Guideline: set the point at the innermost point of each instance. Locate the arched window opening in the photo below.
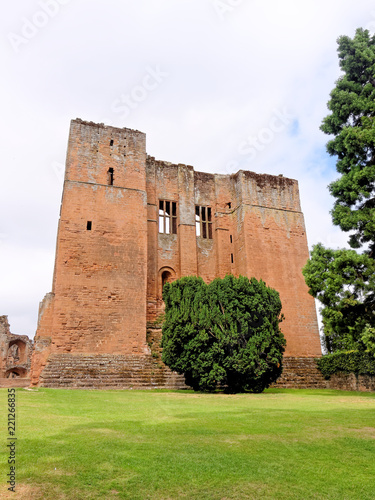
(16, 373)
(16, 352)
(166, 275)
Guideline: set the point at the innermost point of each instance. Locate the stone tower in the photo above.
(129, 223)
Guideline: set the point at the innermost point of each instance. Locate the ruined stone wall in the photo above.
(351, 382)
(303, 373)
(15, 353)
(43, 338)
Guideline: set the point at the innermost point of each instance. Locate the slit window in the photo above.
(167, 217)
(89, 225)
(110, 174)
(231, 257)
(111, 143)
(203, 222)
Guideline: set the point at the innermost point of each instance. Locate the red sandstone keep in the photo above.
(129, 223)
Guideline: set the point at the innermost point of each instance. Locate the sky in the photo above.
(222, 85)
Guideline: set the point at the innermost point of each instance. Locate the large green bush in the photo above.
(225, 334)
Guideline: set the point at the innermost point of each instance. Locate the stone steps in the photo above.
(300, 373)
(108, 371)
(145, 372)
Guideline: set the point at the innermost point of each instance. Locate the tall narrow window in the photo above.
(167, 217)
(89, 225)
(203, 222)
(110, 176)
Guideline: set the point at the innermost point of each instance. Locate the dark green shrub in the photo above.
(225, 334)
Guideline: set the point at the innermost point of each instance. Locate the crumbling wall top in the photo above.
(102, 125)
(4, 325)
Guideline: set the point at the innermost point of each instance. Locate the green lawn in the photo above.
(282, 444)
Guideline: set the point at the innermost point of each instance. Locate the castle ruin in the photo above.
(128, 224)
(15, 356)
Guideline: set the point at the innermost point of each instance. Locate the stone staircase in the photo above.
(104, 371)
(91, 371)
(300, 373)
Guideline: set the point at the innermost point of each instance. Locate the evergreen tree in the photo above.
(352, 123)
(225, 334)
(342, 279)
(344, 282)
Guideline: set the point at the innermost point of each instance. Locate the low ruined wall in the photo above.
(15, 354)
(351, 382)
(303, 373)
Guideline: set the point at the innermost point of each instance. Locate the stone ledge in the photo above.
(14, 382)
(351, 382)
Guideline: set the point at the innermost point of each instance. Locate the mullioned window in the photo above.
(203, 222)
(167, 217)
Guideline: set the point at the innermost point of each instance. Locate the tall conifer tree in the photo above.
(352, 123)
(343, 280)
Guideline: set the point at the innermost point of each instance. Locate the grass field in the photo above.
(282, 444)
